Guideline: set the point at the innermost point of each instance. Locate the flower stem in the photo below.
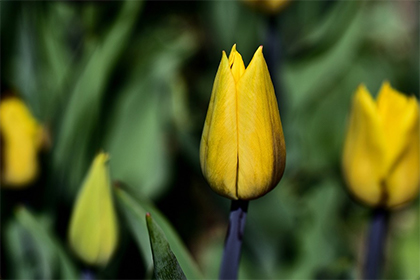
(87, 274)
(376, 244)
(233, 242)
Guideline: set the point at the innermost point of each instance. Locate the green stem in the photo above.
(233, 242)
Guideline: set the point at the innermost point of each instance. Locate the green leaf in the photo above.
(137, 122)
(166, 264)
(82, 114)
(25, 259)
(339, 57)
(135, 208)
(35, 252)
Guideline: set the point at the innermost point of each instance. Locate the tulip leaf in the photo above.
(134, 208)
(23, 253)
(166, 264)
(83, 109)
(35, 252)
(136, 131)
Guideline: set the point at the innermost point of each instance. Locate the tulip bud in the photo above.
(381, 161)
(93, 226)
(22, 138)
(242, 151)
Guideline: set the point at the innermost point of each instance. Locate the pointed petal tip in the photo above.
(102, 156)
(259, 50)
(385, 87)
(386, 83)
(258, 53)
(387, 92)
(361, 87)
(363, 98)
(361, 91)
(232, 53)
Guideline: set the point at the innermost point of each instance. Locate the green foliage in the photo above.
(35, 251)
(82, 112)
(135, 209)
(166, 265)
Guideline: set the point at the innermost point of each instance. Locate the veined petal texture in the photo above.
(242, 148)
(261, 144)
(218, 148)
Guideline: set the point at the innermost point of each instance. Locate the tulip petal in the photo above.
(400, 115)
(236, 64)
(364, 156)
(93, 226)
(396, 119)
(261, 147)
(218, 147)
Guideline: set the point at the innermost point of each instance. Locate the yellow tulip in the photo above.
(381, 160)
(268, 6)
(242, 150)
(93, 229)
(22, 138)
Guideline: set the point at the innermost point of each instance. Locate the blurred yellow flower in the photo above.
(242, 151)
(381, 160)
(268, 6)
(93, 231)
(22, 139)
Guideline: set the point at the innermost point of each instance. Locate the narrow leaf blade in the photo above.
(166, 264)
(135, 208)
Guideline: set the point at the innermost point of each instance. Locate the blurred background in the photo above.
(134, 79)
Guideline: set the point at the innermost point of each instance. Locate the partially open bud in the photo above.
(381, 160)
(242, 151)
(93, 231)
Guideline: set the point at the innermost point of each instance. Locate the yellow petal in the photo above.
(364, 150)
(242, 148)
(93, 226)
(20, 134)
(261, 151)
(236, 64)
(402, 133)
(218, 147)
(395, 119)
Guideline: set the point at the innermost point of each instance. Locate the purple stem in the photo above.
(233, 242)
(376, 244)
